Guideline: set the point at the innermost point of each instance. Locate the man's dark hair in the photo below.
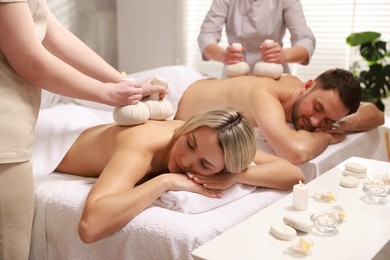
(345, 83)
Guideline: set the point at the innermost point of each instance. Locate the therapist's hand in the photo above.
(121, 94)
(271, 52)
(149, 88)
(233, 55)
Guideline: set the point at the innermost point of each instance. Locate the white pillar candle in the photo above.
(300, 196)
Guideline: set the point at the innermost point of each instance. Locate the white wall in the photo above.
(145, 34)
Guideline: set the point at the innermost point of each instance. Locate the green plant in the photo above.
(375, 82)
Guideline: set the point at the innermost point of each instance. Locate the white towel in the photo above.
(56, 130)
(192, 203)
(66, 191)
(59, 202)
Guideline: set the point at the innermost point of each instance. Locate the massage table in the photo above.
(161, 231)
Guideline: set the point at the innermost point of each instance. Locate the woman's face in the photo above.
(198, 152)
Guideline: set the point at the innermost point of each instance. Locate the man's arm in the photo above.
(296, 146)
(367, 117)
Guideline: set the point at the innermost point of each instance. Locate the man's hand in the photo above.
(341, 126)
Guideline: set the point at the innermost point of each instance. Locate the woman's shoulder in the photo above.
(148, 131)
(163, 124)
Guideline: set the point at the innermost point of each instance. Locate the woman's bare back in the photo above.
(94, 148)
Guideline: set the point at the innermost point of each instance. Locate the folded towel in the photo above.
(192, 203)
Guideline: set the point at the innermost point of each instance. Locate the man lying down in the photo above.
(323, 111)
(135, 166)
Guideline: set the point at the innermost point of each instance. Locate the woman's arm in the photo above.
(116, 198)
(37, 65)
(70, 49)
(270, 171)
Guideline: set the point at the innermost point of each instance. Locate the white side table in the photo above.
(364, 232)
(384, 131)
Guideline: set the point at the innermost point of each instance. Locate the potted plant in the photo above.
(374, 76)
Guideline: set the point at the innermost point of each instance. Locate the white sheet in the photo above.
(365, 144)
(156, 233)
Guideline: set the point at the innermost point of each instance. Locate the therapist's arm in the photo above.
(70, 49)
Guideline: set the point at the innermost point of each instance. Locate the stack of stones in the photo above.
(352, 173)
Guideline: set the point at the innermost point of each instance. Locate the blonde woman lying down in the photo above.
(137, 164)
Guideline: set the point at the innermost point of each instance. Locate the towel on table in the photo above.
(56, 130)
(192, 203)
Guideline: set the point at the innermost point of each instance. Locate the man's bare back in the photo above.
(242, 93)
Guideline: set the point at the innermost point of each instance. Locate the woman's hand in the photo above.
(221, 181)
(182, 182)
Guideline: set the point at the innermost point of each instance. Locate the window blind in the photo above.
(64, 11)
(331, 22)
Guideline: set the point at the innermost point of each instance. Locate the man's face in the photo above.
(318, 110)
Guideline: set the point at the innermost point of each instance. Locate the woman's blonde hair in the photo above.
(235, 133)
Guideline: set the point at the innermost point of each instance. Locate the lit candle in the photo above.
(300, 196)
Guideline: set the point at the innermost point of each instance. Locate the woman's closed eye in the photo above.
(204, 165)
(191, 143)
